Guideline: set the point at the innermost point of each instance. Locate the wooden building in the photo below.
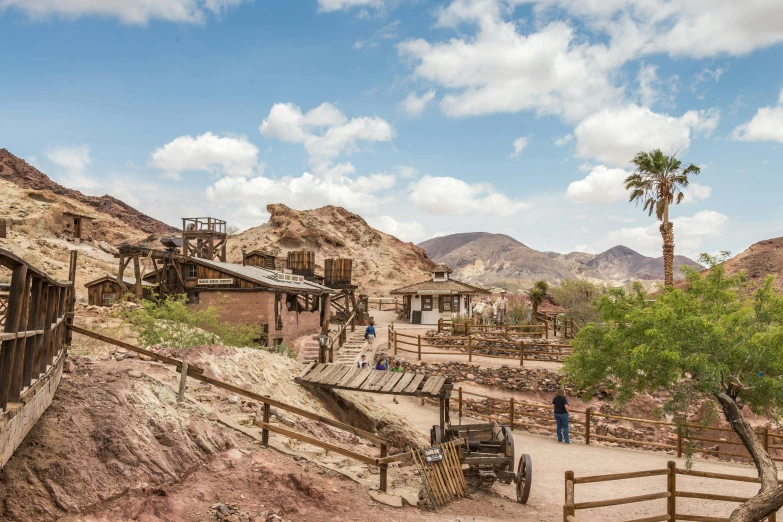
(263, 259)
(76, 227)
(440, 297)
(105, 290)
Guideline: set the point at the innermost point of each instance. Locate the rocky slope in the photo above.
(760, 260)
(500, 260)
(381, 262)
(21, 173)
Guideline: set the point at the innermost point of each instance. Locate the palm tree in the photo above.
(537, 295)
(658, 182)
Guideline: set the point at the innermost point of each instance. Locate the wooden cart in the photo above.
(487, 455)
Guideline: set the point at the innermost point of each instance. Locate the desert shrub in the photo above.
(579, 298)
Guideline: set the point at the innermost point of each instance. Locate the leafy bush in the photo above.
(578, 297)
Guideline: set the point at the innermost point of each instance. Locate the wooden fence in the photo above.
(526, 330)
(558, 325)
(478, 346)
(195, 372)
(391, 303)
(688, 438)
(671, 494)
(34, 333)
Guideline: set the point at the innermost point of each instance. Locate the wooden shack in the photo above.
(105, 290)
(77, 227)
(262, 259)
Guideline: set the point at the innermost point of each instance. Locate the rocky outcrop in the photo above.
(381, 262)
(18, 171)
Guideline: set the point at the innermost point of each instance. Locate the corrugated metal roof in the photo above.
(126, 279)
(264, 276)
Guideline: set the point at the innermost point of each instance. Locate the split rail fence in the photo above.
(392, 304)
(477, 346)
(672, 492)
(504, 330)
(690, 438)
(558, 325)
(195, 372)
(33, 338)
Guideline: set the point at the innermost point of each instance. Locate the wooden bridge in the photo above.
(35, 313)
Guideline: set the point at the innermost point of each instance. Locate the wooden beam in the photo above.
(315, 442)
(13, 318)
(137, 275)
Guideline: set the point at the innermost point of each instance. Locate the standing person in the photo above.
(501, 306)
(369, 333)
(397, 368)
(561, 416)
(363, 362)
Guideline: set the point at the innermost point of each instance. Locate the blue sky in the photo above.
(426, 117)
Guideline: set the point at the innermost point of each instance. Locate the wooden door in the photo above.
(77, 228)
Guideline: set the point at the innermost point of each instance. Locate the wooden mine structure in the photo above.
(204, 237)
(302, 263)
(339, 274)
(260, 258)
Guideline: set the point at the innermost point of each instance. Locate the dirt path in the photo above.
(551, 460)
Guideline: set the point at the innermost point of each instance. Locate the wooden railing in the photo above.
(515, 412)
(558, 325)
(394, 302)
(195, 372)
(34, 333)
(527, 330)
(477, 346)
(339, 337)
(571, 506)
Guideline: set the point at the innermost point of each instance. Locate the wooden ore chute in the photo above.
(301, 263)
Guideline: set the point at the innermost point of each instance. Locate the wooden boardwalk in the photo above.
(352, 378)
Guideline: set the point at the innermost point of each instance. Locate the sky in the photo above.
(425, 117)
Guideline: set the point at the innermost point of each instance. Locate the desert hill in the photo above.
(21, 173)
(498, 259)
(760, 260)
(381, 262)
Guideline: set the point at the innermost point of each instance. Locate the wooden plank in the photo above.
(432, 382)
(334, 379)
(13, 319)
(437, 386)
(377, 383)
(414, 385)
(327, 374)
(315, 376)
(320, 367)
(349, 377)
(360, 378)
(391, 383)
(404, 382)
(307, 369)
(315, 442)
(375, 376)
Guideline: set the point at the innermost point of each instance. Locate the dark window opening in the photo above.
(193, 298)
(440, 275)
(426, 303)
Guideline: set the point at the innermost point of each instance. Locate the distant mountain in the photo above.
(498, 259)
(760, 260)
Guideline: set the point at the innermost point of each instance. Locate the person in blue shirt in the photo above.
(369, 333)
(381, 365)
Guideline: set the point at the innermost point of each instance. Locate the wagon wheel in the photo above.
(508, 451)
(524, 478)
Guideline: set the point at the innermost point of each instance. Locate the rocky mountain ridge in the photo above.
(500, 260)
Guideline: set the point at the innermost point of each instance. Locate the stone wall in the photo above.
(14, 430)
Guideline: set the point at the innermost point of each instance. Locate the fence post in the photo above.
(384, 468)
(511, 412)
(265, 431)
(182, 381)
(506, 329)
(460, 402)
(440, 325)
(418, 342)
(546, 329)
(395, 341)
(671, 504)
(679, 441)
(521, 353)
(568, 507)
(588, 412)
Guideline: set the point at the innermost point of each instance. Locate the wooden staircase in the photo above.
(309, 352)
(352, 349)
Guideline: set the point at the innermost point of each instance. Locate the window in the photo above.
(426, 303)
(109, 298)
(192, 271)
(440, 275)
(445, 304)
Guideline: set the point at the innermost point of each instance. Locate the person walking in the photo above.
(369, 333)
(561, 416)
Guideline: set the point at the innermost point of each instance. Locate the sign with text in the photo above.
(228, 281)
(432, 454)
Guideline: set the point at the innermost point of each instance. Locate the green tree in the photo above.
(658, 182)
(537, 295)
(714, 339)
(578, 296)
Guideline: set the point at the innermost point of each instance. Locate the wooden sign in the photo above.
(228, 281)
(432, 454)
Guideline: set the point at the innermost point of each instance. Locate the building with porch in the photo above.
(440, 297)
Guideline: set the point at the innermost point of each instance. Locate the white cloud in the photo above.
(564, 140)
(324, 131)
(653, 89)
(447, 195)
(690, 232)
(520, 144)
(135, 12)
(72, 162)
(602, 186)
(406, 171)
(614, 136)
(411, 231)
(231, 156)
(415, 105)
(766, 125)
(780, 97)
(499, 69)
(696, 192)
(337, 5)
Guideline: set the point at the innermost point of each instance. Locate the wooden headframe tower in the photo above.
(205, 238)
(338, 273)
